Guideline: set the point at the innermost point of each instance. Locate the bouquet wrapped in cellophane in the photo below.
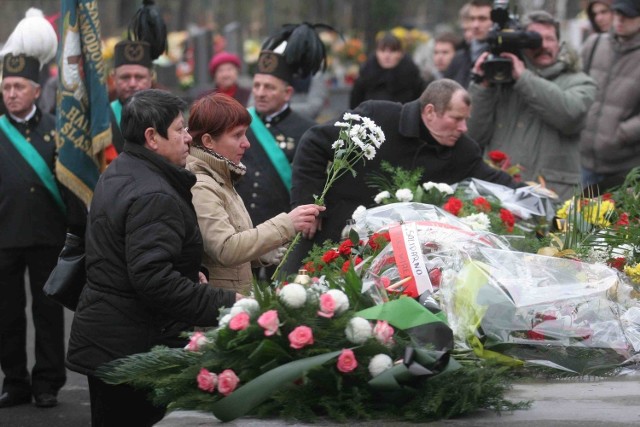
(506, 305)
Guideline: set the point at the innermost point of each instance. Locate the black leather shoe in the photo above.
(7, 399)
(46, 400)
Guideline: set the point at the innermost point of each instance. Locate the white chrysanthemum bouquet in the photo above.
(358, 140)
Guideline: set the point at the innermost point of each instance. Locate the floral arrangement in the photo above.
(358, 140)
(411, 38)
(323, 350)
(398, 185)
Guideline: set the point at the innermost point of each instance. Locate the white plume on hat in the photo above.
(33, 36)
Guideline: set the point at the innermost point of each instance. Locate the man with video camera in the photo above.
(536, 113)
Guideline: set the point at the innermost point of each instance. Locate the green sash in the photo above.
(271, 147)
(116, 107)
(35, 160)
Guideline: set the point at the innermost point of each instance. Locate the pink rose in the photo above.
(197, 340)
(207, 380)
(327, 306)
(383, 332)
(300, 337)
(270, 322)
(347, 361)
(239, 322)
(227, 381)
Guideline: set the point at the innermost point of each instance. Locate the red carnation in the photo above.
(377, 240)
(507, 219)
(330, 256)
(482, 204)
(497, 156)
(310, 267)
(345, 247)
(617, 263)
(453, 205)
(623, 221)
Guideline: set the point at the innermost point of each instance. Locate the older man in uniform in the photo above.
(32, 221)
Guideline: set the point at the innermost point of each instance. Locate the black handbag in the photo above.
(69, 276)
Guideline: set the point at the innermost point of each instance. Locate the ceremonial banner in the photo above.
(82, 114)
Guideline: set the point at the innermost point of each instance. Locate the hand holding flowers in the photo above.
(358, 140)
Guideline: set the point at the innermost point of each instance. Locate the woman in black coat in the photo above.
(388, 75)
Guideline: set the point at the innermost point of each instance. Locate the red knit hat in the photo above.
(222, 58)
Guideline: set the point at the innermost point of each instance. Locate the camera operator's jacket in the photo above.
(610, 142)
(537, 121)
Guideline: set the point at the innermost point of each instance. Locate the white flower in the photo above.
(224, 321)
(360, 211)
(249, 305)
(380, 197)
(340, 299)
(337, 144)
(428, 185)
(293, 295)
(478, 221)
(351, 116)
(358, 330)
(404, 195)
(358, 142)
(341, 124)
(444, 188)
(369, 152)
(379, 363)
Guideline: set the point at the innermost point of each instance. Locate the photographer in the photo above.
(537, 118)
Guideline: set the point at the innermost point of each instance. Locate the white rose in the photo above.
(358, 330)
(293, 295)
(404, 195)
(340, 299)
(478, 221)
(379, 363)
(380, 197)
(428, 185)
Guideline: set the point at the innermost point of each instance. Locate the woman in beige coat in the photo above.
(218, 124)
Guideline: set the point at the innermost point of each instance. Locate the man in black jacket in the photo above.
(32, 221)
(427, 133)
(143, 253)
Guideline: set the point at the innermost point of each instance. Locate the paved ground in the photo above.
(611, 403)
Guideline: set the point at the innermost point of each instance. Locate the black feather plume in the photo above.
(305, 52)
(147, 25)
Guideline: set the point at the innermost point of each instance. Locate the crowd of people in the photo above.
(198, 202)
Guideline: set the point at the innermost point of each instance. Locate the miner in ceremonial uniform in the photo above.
(133, 65)
(32, 220)
(295, 52)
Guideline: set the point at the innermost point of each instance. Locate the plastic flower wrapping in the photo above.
(511, 306)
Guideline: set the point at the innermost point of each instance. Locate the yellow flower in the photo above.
(564, 210)
(598, 212)
(633, 273)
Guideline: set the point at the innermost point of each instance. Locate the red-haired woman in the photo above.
(218, 124)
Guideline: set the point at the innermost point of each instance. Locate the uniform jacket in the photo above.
(29, 216)
(230, 240)
(610, 141)
(143, 253)
(408, 145)
(402, 83)
(261, 188)
(537, 122)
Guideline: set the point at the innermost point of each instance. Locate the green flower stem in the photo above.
(286, 255)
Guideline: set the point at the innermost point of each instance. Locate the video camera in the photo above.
(506, 36)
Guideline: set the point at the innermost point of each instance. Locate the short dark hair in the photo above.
(449, 37)
(153, 108)
(481, 3)
(439, 94)
(541, 17)
(216, 114)
(388, 40)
